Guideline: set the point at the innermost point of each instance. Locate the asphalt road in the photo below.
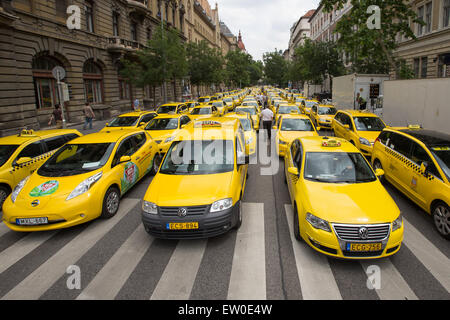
(117, 259)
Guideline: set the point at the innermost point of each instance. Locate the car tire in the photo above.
(111, 203)
(441, 219)
(238, 216)
(4, 193)
(297, 235)
(377, 165)
(155, 164)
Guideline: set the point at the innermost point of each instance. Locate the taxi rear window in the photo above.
(296, 125)
(123, 122)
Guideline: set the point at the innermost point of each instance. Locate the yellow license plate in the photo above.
(182, 226)
(363, 247)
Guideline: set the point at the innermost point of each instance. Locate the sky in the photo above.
(264, 24)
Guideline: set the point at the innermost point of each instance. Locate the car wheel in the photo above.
(110, 203)
(297, 235)
(156, 163)
(4, 193)
(441, 219)
(239, 216)
(377, 165)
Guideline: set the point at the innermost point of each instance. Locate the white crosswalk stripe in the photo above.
(21, 248)
(314, 272)
(430, 256)
(248, 273)
(108, 282)
(176, 285)
(33, 286)
(393, 286)
(3, 229)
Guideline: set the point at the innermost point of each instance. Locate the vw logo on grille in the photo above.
(35, 203)
(363, 233)
(182, 212)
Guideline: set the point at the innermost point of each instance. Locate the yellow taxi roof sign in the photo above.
(27, 133)
(331, 143)
(207, 124)
(414, 126)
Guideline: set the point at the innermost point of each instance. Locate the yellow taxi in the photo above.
(204, 99)
(172, 108)
(285, 108)
(253, 112)
(306, 105)
(191, 105)
(221, 106)
(341, 209)
(164, 128)
(130, 120)
(231, 103)
(81, 181)
(252, 103)
(204, 111)
(22, 154)
(249, 131)
(290, 127)
(322, 115)
(360, 128)
(417, 162)
(198, 189)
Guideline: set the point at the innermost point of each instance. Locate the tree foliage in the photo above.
(275, 68)
(237, 68)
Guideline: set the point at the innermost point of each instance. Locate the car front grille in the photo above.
(376, 232)
(191, 211)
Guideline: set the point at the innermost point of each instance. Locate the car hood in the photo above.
(117, 128)
(358, 203)
(289, 136)
(162, 134)
(369, 135)
(326, 117)
(188, 190)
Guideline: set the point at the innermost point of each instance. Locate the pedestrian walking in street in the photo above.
(136, 105)
(267, 118)
(56, 117)
(88, 115)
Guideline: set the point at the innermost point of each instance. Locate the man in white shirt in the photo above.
(267, 118)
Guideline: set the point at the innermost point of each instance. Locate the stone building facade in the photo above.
(34, 38)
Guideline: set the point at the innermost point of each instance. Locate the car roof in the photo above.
(135, 113)
(213, 128)
(22, 137)
(294, 116)
(429, 137)
(358, 113)
(104, 136)
(239, 115)
(314, 144)
(169, 116)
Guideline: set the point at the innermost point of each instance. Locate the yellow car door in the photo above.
(144, 153)
(125, 165)
(28, 160)
(293, 160)
(399, 168)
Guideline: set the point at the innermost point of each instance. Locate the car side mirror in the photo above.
(107, 124)
(424, 168)
(379, 172)
(293, 170)
(23, 160)
(347, 126)
(143, 124)
(125, 159)
(274, 127)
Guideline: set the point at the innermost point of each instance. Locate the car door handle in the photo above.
(137, 158)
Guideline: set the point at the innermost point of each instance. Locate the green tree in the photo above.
(237, 68)
(368, 49)
(275, 68)
(256, 69)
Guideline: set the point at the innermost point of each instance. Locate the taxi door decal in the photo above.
(45, 189)
(130, 176)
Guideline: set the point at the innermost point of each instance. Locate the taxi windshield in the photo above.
(442, 155)
(337, 167)
(287, 109)
(163, 124)
(123, 122)
(199, 157)
(218, 104)
(252, 103)
(299, 99)
(203, 100)
(251, 111)
(309, 104)
(228, 100)
(167, 109)
(201, 111)
(73, 159)
(296, 125)
(246, 124)
(6, 150)
(369, 124)
(326, 111)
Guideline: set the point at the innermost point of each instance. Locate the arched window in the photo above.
(93, 82)
(45, 88)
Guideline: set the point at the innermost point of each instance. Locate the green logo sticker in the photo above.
(45, 189)
(130, 175)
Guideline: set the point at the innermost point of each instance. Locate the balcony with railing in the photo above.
(140, 6)
(118, 45)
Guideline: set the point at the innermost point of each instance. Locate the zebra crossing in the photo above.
(141, 267)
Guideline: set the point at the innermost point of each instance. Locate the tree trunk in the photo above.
(388, 56)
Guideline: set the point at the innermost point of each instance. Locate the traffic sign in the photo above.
(59, 73)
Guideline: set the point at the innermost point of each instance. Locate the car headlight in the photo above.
(317, 222)
(169, 140)
(364, 141)
(84, 186)
(221, 205)
(149, 207)
(397, 224)
(249, 140)
(18, 188)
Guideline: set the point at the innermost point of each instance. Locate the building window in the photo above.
(420, 16)
(181, 21)
(46, 90)
(124, 89)
(416, 67)
(428, 15)
(89, 16)
(93, 82)
(134, 31)
(149, 34)
(115, 22)
(424, 67)
(159, 9)
(444, 66)
(446, 13)
(61, 8)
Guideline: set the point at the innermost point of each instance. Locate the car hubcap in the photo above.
(442, 220)
(112, 202)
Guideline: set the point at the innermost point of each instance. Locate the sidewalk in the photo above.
(96, 126)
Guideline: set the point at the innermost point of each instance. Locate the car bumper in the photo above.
(328, 244)
(61, 214)
(210, 224)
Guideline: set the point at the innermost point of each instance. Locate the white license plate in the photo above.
(31, 221)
